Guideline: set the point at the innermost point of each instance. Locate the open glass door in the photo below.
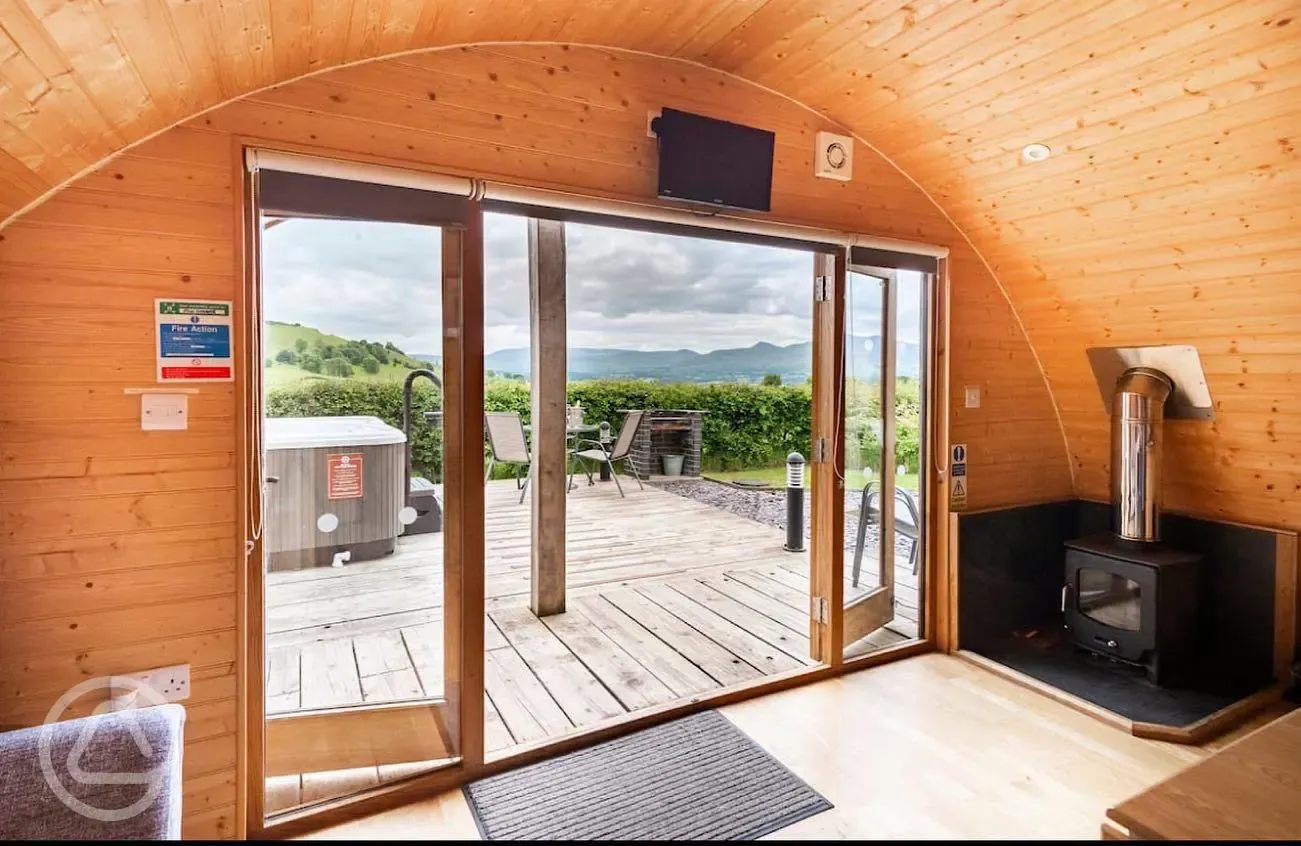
(885, 344)
(358, 624)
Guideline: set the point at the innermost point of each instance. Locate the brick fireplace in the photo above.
(674, 431)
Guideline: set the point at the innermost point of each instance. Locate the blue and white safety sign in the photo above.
(194, 339)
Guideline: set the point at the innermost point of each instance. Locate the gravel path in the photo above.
(769, 507)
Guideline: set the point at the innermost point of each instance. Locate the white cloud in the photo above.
(634, 290)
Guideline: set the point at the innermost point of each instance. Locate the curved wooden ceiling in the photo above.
(1166, 213)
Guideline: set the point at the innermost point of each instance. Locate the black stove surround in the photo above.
(1010, 572)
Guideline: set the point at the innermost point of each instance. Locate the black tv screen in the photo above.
(703, 160)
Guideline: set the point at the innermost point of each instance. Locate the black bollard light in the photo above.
(794, 502)
(605, 443)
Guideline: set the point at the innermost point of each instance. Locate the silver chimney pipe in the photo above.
(1137, 414)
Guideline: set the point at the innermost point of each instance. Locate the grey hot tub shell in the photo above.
(312, 479)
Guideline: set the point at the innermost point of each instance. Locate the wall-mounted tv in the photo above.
(704, 160)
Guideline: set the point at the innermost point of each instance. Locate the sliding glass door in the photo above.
(359, 294)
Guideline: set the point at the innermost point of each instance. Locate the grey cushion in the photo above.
(106, 746)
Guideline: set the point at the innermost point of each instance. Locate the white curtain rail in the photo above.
(476, 189)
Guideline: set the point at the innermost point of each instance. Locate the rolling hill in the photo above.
(746, 364)
(280, 337)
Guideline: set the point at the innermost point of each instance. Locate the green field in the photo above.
(285, 336)
(776, 477)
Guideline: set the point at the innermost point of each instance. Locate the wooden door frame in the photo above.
(873, 610)
(456, 719)
(829, 634)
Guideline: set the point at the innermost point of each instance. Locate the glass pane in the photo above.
(353, 537)
(687, 366)
(864, 297)
(1110, 599)
(909, 333)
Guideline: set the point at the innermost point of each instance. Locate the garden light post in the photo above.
(794, 502)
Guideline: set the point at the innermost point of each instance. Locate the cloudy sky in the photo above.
(630, 290)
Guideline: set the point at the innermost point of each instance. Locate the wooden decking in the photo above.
(668, 597)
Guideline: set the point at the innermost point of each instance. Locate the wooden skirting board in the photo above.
(1193, 734)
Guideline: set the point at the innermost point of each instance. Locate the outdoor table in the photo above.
(580, 429)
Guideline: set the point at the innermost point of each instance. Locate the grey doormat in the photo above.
(697, 778)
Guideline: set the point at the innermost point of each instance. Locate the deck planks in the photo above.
(667, 598)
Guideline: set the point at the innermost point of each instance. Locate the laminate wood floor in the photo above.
(927, 747)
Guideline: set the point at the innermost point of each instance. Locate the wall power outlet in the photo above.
(172, 684)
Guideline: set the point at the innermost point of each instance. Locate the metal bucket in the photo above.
(673, 465)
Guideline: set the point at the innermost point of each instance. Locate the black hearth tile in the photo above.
(1119, 688)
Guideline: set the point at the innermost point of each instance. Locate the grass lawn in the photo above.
(776, 477)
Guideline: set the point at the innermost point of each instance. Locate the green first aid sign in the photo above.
(206, 308)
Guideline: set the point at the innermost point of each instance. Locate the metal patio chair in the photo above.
(586, 449)
(869, 511)
(509, 446)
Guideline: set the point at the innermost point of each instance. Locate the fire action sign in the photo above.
(194, 340)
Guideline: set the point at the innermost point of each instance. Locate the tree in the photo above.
(772, 380)
(301, 345)
(310, 362)
(337, 367)
(370, 364)
(270, 362)
(354, 353)
(287, 357)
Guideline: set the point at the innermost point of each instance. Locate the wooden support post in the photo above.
(827, 546)
(463, 570)
(550, 442)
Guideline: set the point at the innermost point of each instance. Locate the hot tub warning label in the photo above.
(194, 340)
(343, 476)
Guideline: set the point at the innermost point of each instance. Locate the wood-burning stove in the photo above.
(1133, 602)
(1125, 595)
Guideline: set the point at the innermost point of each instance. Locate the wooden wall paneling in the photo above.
(1286, 606)
(86, 496)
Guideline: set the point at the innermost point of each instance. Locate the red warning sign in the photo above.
(343, 476)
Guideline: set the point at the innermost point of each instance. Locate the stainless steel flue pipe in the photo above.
(1137, 415)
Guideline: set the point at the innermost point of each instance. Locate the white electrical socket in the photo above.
(973, 396)
(172, 684)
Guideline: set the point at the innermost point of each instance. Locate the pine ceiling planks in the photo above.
(1174, 131)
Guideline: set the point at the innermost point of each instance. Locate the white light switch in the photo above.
(163, 411)
(973, 396)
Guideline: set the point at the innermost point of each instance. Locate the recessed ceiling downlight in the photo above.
(1035, 152)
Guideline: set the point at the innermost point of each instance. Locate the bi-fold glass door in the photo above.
(875, 323)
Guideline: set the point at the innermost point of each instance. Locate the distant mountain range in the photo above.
(747, 364)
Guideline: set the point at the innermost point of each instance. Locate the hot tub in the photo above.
(334, 490)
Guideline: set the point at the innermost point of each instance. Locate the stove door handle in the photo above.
(1066, 592)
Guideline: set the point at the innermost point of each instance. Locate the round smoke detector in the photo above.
(1035, 152)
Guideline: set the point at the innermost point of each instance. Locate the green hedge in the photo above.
(747, 426)
(344, 397)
